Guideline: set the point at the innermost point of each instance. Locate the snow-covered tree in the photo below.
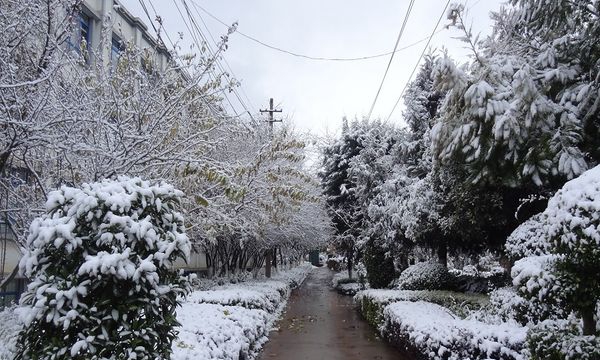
(101, 268)
(525, 111)
(562, 251)
(338, 188)
(422, 101)
(573, 225)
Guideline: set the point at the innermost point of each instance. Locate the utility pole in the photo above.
(271, 110)
(271, 255)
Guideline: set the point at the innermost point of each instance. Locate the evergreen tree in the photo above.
(339, 191)
(101, 264)
(525, 112)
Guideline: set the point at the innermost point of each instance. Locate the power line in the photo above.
(408, 11)
(197, 28)
(226, 64)
(156, 30)
(198, 44)
(304, 56)
(418, 61)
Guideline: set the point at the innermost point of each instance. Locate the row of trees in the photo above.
(68, 117)
(486, 143)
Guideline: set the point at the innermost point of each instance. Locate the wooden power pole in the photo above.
(271, 110)
(270, 256)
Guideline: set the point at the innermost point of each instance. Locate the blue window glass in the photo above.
(115, 51)
(84, 28)
(82, 33)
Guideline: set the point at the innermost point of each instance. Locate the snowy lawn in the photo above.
(228, 322)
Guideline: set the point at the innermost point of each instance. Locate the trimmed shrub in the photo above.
(460, 303)
(440, 335)
(472, 281)
(336, 263)
(380, 267)
(562, 340)
(101, 268)
(425, 276)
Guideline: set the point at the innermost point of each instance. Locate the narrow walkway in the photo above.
(320, 324)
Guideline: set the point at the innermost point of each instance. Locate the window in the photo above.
(116, 49)
(81, 38)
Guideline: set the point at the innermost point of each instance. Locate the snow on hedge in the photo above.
(210, 331)
(424, 276)
(10, 326)
(438, 333)
(373, 301)
(232, 321)
(265, 295)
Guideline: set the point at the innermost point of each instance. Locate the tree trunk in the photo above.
(589, 323)
(4, 160)
(274, 250)
(442, 253)
(350, 255)
(268, 264)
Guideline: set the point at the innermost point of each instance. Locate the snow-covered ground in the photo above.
(230, 321)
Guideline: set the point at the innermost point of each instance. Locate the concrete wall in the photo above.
(125, 27)
(13, 256)
(197, 262)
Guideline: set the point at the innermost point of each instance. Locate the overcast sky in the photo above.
(315, 95)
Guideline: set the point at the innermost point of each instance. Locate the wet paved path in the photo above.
(320, 324)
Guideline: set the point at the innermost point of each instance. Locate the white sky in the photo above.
(315, 95)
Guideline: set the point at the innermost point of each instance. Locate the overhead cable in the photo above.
(304, 56)
(419, 61)
(408, 11)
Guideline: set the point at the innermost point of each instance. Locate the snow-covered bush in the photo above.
(345, 285)
(336, 263)
(562, 339)
(425, 276)
(562, 247)
(264, 295)
(8, 332)
(536, 281)
(573, 226)
(101, 268)
(372, 302)
(470, 279)
(507, 304)
(212, 331)
(529, 239)
(437, 333)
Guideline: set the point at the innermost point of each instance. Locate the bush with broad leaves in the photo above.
(101, 268)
